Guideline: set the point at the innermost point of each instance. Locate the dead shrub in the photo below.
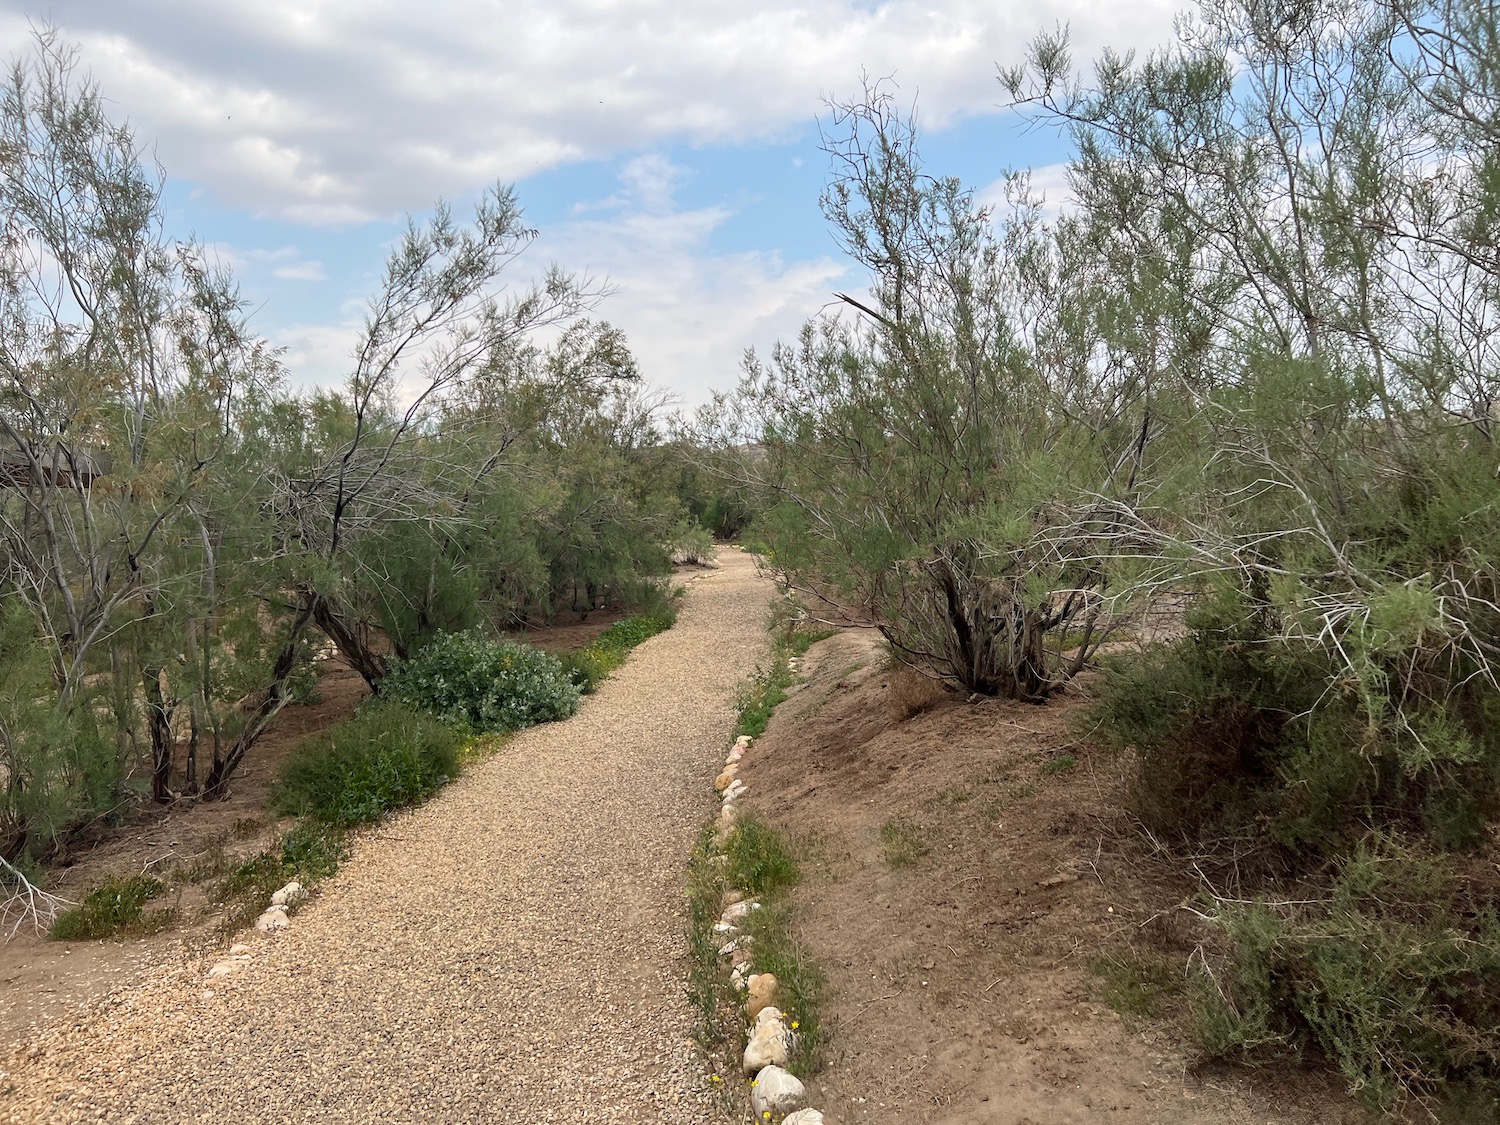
(909, 693)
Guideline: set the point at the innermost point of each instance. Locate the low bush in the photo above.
(386, 757)
(1250, 744)
(692, 545)
(488, 685)
(1395, 978)
(114, 907)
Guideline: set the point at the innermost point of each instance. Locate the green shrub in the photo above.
(488, 685)
(1246, 742)
(112, 908)
(386, 757)
(1395, 978)
(691, 545)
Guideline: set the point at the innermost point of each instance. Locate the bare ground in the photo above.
(966, 901)
(514, 947)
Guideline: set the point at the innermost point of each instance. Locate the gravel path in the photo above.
(513, 950)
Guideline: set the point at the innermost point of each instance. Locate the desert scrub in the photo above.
(1394, 977)
(112, 909)
(592, 663)
(387, 757)
(487, 685)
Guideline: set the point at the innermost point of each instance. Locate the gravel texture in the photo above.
(513, 950)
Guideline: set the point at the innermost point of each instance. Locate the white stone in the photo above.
(238, 950)
(771, 1041)
(223, 969)
(726, 928)
(273, 920)
(776, 1090)
(743, 742)
(289, 895)
(737, 910)
(740, 976)
(735, 757)
(804, 1117)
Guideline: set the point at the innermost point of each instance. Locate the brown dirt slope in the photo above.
(968, 902)
(512, 950)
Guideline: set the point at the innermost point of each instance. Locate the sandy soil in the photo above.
(512, 948)
(964, 975)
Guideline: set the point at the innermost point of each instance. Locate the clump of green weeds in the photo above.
(1138, 983)
(1063, 763)
(903, 841)
(113, 909)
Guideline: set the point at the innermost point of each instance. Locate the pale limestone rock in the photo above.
(737, 910)
(273, 920)
(804, 1117)
(289, 895)
(770, 1044)
(776, 1090)
(223, 969)
(238, 950)
(762, 989)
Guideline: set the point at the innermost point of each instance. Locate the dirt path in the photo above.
(511, 950)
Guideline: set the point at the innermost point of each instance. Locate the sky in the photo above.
(668, 146)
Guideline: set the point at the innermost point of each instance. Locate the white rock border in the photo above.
(774, 1091)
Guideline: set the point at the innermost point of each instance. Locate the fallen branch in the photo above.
(26, 902)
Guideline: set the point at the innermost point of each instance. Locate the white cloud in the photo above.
(688, 312)
(336, 111)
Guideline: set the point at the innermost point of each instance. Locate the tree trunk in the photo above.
(159, 721)
(353, 644)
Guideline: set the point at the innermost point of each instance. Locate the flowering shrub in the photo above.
(487, 684)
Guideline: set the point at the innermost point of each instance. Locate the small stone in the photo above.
(238, 950)
(776, 1090)
(731, 897)
(739, 975)
(726, 928)
(1058, 879)
(743, 742)
(737, 910)
(272, 920)
(735, 756)
(223, 969)
(804, 1117)
(289, 895)
(762, 987)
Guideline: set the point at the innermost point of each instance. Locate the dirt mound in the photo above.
(975, 896)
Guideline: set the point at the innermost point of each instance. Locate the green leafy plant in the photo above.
(386, 757)
(487, 685)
